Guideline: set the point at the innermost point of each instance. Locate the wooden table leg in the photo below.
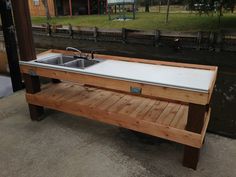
(194, 123)
(32, 85)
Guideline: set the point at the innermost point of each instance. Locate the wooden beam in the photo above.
(195, 123)
(27, 51)
(10, 44)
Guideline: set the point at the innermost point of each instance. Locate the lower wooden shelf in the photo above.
(163, 119)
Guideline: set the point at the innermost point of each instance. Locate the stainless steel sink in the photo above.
(59, 60)
(81, 63)
(69, 61)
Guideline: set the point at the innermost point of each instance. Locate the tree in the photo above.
(45, 3)
(229, 4)
(147, 3)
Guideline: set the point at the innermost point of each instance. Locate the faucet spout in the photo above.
(73, 49)
(77, 50)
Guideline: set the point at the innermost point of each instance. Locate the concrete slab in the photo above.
(67, 146)
(5, 86)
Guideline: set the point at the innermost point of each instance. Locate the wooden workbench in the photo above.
(176, 114)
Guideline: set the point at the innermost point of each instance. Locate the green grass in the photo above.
(149, 21)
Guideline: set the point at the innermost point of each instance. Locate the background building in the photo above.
(68, 7)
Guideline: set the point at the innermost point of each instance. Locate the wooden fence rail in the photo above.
(224, 40)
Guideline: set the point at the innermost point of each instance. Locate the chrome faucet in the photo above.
(77, 50)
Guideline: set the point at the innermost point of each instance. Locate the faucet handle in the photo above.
(95, 51)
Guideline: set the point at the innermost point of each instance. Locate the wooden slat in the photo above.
(91, 97)
(113, 99)
(168, 114)
(143, 108)
(111, 111)
(132, 105)
(120, 104)
(204, 129)
(100, 99)
(155, 111)
(180, 119)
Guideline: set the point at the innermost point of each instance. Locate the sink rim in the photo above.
(55, 61)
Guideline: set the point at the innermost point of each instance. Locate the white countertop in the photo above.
(178, 77)
(169, 76)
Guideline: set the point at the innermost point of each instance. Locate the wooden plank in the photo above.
(113, 99)
(120, 104)
(100, 99)
(155, 111)
(212, 86)
(121, 85)
(113, 117)
(204, 129)
(55, 91)
(83, 95)
(180, 119)
(90, 97)
(143, 108)
(95, 98)
(168, 114)
(132, 105)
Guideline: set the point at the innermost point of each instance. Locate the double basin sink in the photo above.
(69, 61)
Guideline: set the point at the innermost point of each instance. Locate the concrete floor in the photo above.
(5, 86)
(67, 146)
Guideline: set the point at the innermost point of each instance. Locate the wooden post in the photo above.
(27, 51)
(95, 34)
(124, 35)
(109, 12)
(167, 11)
(156, 38)
(123, 10)
(199, 40)
(88, 7)
(219, 40)
(133, 11)
(70, 6)
(10, 43)
(106, 6)
(159, 9)
(195, 123)
(98, 7)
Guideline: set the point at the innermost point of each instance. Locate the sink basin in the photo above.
(81, 63)
(59, 60)
(68, 61)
